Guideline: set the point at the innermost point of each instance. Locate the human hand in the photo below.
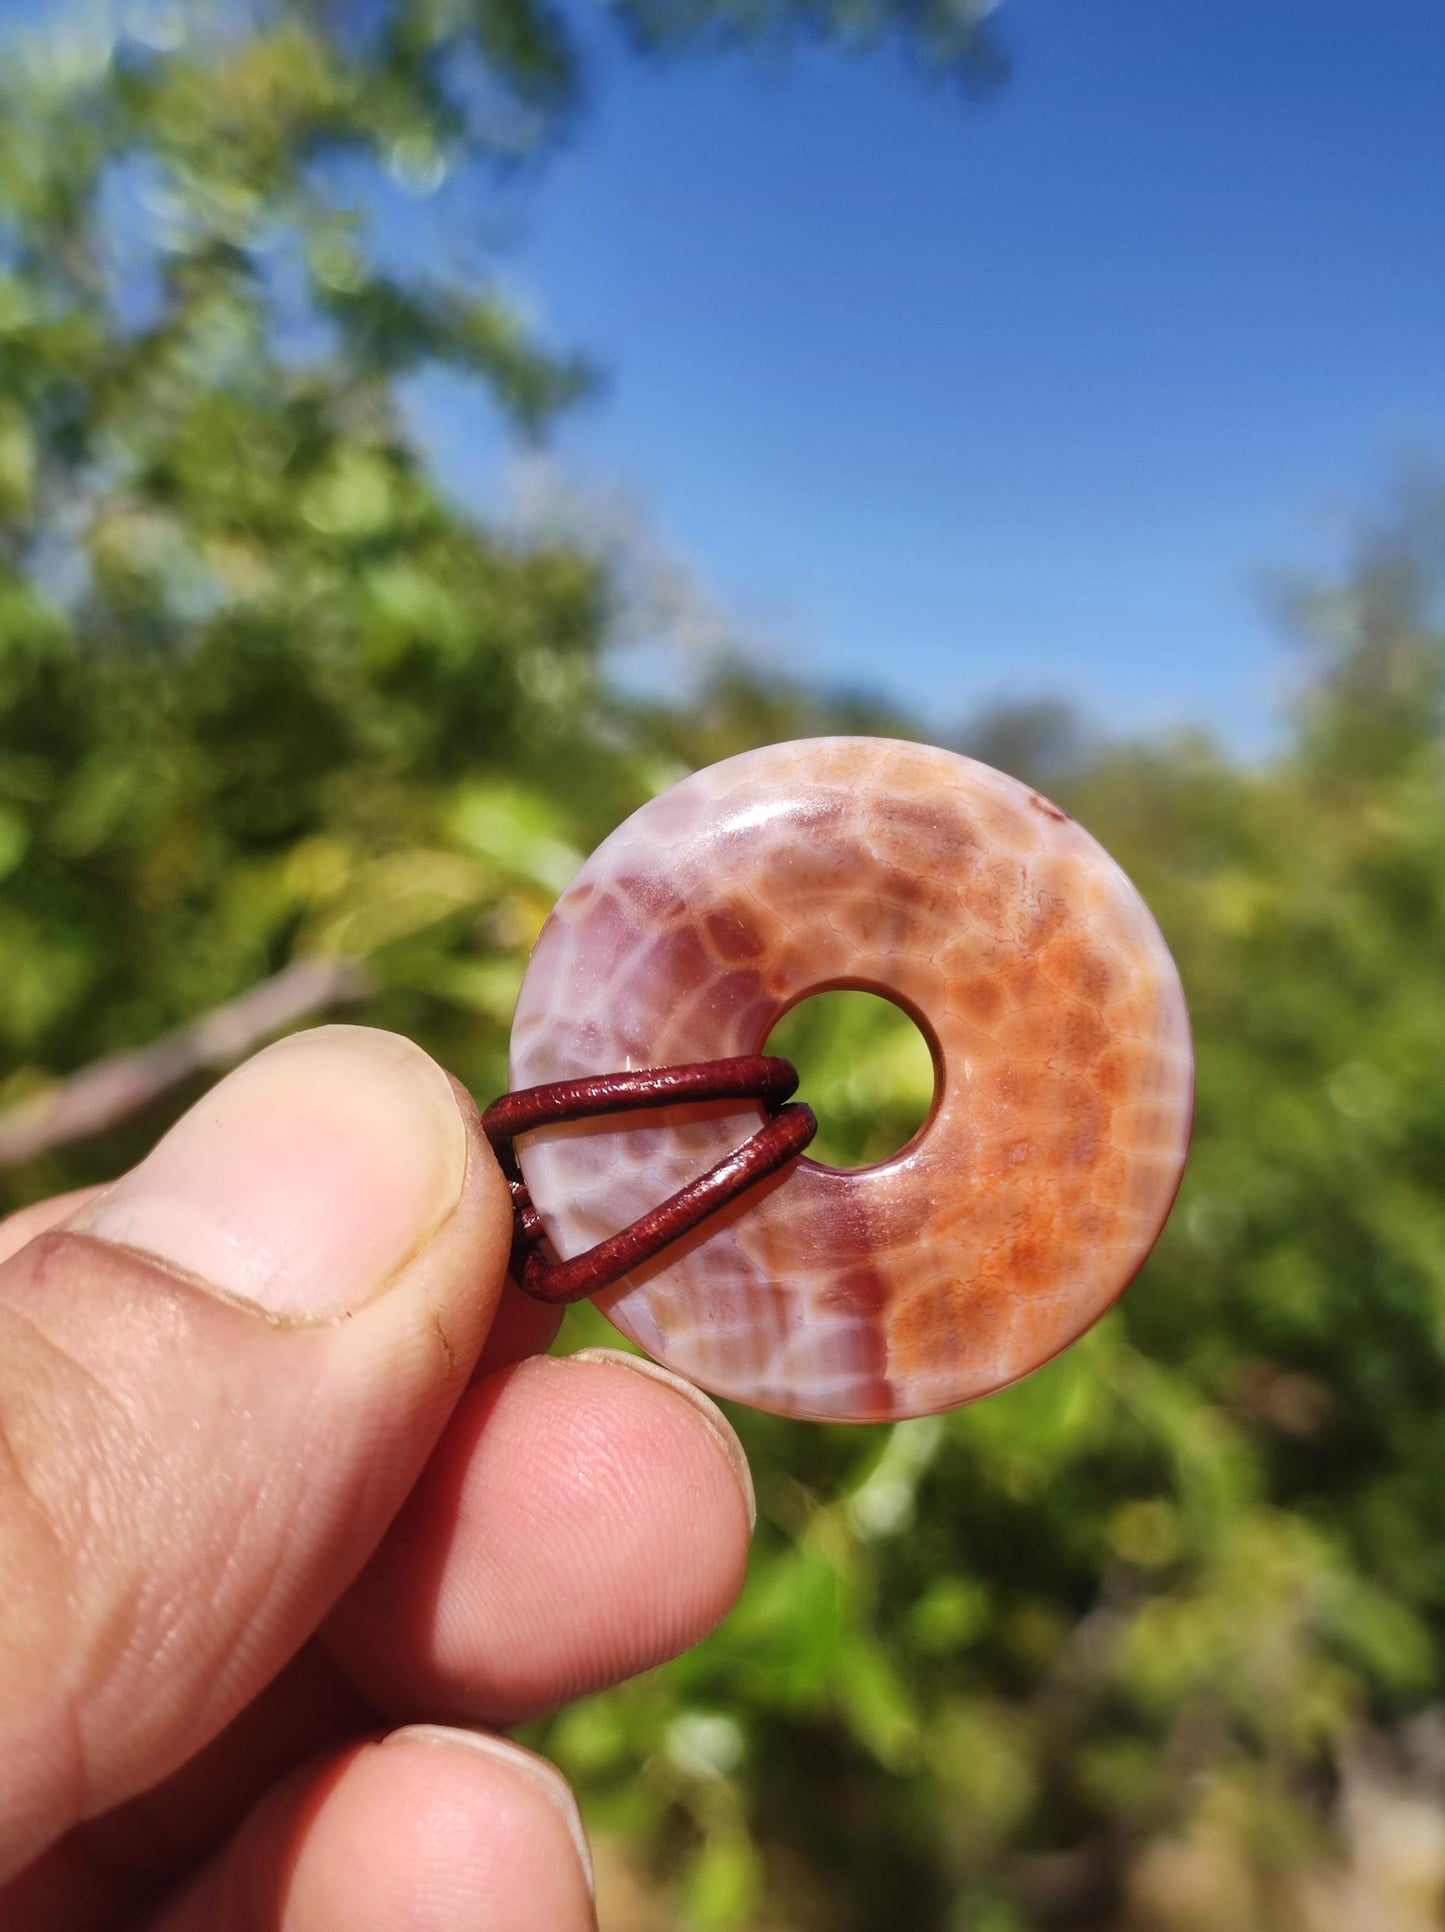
(273, 1483)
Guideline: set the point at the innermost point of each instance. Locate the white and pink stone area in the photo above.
(1065, 1075)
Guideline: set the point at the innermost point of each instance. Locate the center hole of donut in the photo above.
(865, 1070)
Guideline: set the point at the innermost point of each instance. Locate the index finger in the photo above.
(582, 1519)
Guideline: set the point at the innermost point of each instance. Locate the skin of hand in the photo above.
(294, 1518)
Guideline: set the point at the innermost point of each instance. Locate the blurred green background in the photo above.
(1155, 1641)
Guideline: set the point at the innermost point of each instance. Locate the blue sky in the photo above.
(964, 400)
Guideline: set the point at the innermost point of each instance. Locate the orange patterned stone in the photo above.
(1030, 1197)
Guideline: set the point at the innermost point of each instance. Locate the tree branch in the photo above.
(112, 1090)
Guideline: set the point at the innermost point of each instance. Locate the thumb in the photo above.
(218, 1382)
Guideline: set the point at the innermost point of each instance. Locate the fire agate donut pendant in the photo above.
(1032, 1194)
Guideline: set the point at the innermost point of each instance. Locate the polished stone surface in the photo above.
(1029, 1199)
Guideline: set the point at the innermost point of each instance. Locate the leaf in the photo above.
(725, 1884)
(517, 828)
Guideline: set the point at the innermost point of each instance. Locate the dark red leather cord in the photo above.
(753, 1076)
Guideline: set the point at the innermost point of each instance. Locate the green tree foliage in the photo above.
(1139, 1642)
(264, 690)
(1151, 1642)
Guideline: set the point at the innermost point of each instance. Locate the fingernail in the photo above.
(305, 1180)
(704, 1404)
(546, 1777)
